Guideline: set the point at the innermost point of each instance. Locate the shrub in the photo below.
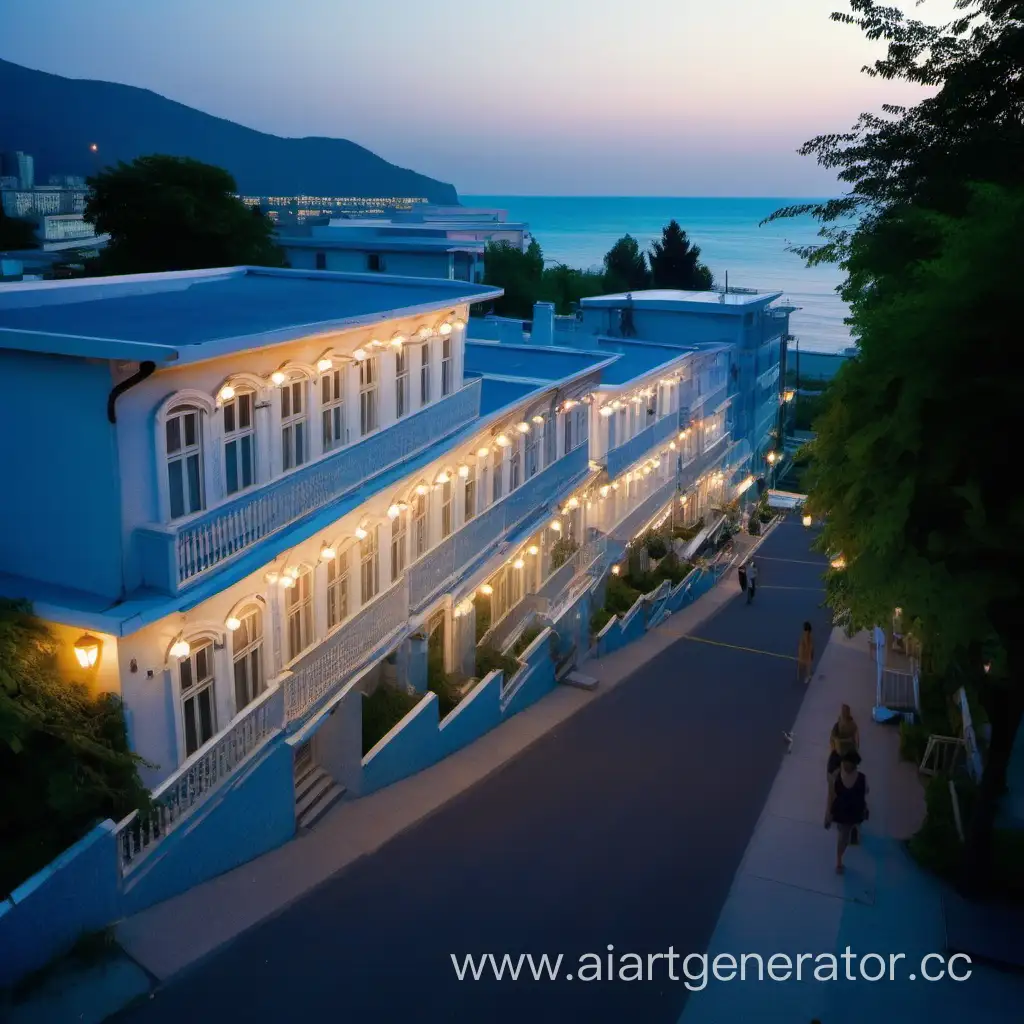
(442, 683)
(599, 620)
(673, 569)
(619, 596)
(382, 711)
(765, 513)
(562, 550)
(526, 638)
(913, 741)
(689, 532)
(489, 658)
(482, 603)
(656, 546)
(754, 525)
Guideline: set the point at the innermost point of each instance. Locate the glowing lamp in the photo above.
(327, 553)
(425, 332)
(523, 428)
(443, 477)
(464, 471)
(573, 503)
(287, 582)
(458, 322)
(445, 329)
(226, 393)
(397, 340)
(324, 365)
(232, 623)
(672, 445)
(394, 512)
(518, 564)
(839, 562)
(292, 572)
(556, 526)
(87, 650)
(532, 549)
(487, 590)
(278, 377)
(538, 419)
(359, 354)
(482, 453)
(604, 491)
(360, 533)
(807, 520)
(502, 441)
(422, 489)
(615, 570)
(606, 410)
(180, 649)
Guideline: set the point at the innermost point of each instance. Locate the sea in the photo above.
(579, 230)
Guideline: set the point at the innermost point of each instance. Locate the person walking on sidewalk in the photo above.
(805, 655)
(741, 575)
(847, 803)
(751, 580)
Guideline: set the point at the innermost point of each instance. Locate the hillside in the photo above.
(56, 119)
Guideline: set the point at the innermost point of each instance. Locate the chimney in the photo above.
(543, 332)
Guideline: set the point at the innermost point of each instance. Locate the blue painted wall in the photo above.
(62, 523)
(477, 713)
(409, 748)
(78, 892)
(250, 814)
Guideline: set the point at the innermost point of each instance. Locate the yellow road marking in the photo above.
(737, 647)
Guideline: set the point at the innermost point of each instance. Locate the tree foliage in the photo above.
(625, 267)
(63, 752)
(174, 213)
(519, 273)
(675, 262)
(17, 233)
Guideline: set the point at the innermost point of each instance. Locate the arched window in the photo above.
(197, 694)
(420, 534)
(337, 588)
(239, 440)
(399, 539)
(183, 434)
(247, 656)
(369, 376)
(299, 614)
(369, 566)
(332, 409)
(294, 422)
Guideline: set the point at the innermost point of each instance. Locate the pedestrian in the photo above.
(751, 580)
(741, 574)
(805, 655)
(847, 803)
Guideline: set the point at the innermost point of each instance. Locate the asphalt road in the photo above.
(623, 826)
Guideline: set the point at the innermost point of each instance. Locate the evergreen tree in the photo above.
(675, 262)
(519, 273)
(625, 267)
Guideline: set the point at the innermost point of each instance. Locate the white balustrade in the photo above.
(199, 776)
(346, 650)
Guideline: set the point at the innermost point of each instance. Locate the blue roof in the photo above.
(190, 309)
(380, 244)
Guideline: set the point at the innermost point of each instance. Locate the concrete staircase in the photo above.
(315, 794)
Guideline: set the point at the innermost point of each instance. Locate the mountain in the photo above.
(56, 120)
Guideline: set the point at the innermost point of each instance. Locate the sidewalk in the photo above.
(170, 936)
(786, 897)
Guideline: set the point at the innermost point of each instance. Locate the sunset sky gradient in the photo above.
(528, 97)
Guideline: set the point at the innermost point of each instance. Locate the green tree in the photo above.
(66, 748)
(519, 273)
(919, 499)
(174, 213)
(566, 286)
(675, 262)
(625, 267)
(17, 233)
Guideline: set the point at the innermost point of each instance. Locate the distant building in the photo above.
(17, 202)
(8, 181)
(21, 166)
(64, 227)
(67, 180)
(43, 201)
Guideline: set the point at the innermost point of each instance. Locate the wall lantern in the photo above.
(487, 590)
(532, 549)
(394, 511)
(523, 428)
(807, 520)
(422, 489)
(180, 649)
(482, 453)
(615, 570)
(538, 419)
(445, 329)
(458, 322)
(232, 623)
(359, 354)
(225, 394)
(788, 396)
(327, 553)
(87, 650)
(443, 477)
(278, 377)
(556, 526)
(502, 441)
(397, 340)
(518, 564)
(324, 365)
(360, 533)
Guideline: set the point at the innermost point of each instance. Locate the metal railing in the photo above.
(174, 556)
(345, 651)
(198, 777)
(628, 524)
(464, 546)
(619, 459)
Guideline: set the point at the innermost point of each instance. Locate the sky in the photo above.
(500, 97)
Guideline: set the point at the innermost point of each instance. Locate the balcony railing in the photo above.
(198, 777)
(711, 400)
(646, 509)
(465, 546)
(345, 651)
(174, 556)
(619, 459)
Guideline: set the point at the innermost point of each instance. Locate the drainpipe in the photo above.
(145, 370)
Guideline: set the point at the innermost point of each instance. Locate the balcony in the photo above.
(631, 522)
(713, 398)
(174, 556)
(619, 459)
(464, 547)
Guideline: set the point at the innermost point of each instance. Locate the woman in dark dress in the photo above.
(847, 803)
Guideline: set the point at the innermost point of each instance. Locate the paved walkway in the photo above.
(622, 821)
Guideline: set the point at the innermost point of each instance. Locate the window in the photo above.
(374, 261)
(398, 548)
(469, 507)
(239, 442)
(247, 652)
(550, 441)
(369, 566)
(332, 406)
(367, 396)
(321, 261)
(294, 449)
(446, 509)
(532, 444)
(184, 432)
(299, 613)
(498, 481)
(198, 711)
(514, 466)
(337, 590)
(446, 366)
(425, 373)
(401, 382)
(582, 431)
(419, 525)
(568, 419)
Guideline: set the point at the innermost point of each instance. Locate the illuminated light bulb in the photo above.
(422, 489)
(443, 477)
(464, 471)
(573, 503)
(232, 623)
(606, 410)
(272, 577)
(637, 399)
(360, 354)
(425, 332)
(287, 582)
(839, 562)
(324, 365)
(403, 506)
(532, 549)
(615, 570)
(518, 564)
(556, 526)
(398, 340)
(327, 553)
(571, 403)
(672, 445)
(487, 590)
(615, 486)
(180, 649)
(226, 393)
(604, 491)
(482, 453)
(458, 322)
(87, 650)
(360, 533)
(376, 343)
(682, 500)
(616, 404)
(538, 419)
(445, 329)
(807, 520)
(502, 441)
(278, 377)
(394, 512)
(292, 572)
(523, 428)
